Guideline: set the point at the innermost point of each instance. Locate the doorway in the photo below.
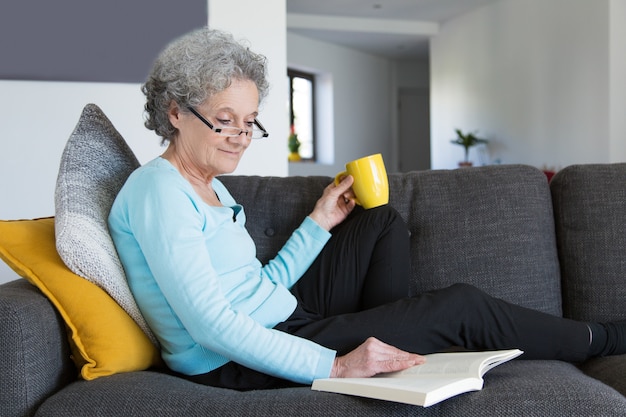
(413, 129)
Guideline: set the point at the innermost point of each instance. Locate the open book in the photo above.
(444, 375)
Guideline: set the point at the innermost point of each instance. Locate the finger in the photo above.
(349, 193)
(349, 205)
(392, 358)
(345, 184)
(400, 364)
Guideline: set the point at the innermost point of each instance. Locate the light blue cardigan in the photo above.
(194, 274)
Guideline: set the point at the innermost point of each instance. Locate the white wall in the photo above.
(531, 76)
(263, 26)
(37, 119)
(361, 101)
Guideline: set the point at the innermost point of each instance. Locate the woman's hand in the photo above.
(371, 358)
(335, 204)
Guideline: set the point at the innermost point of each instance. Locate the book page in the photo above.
(462, 364)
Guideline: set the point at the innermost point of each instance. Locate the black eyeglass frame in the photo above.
(219, 129)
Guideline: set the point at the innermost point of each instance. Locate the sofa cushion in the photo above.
(520, 388)
(103, 338)
(609, 369)
(95, 164)
(590, 219)
(491, 226)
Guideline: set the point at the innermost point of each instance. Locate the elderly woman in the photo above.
(333, 302)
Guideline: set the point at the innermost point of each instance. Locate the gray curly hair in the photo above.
(193, 68)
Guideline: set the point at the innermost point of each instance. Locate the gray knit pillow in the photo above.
(95, 164)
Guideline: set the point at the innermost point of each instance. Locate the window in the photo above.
(301, 111)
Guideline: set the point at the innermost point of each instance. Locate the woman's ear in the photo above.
(174, 114)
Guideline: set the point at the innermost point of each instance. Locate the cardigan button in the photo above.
(269, 232)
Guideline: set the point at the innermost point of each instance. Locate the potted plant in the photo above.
(467, 140)
(294, 145)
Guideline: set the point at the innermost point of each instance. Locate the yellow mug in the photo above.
(370, 186)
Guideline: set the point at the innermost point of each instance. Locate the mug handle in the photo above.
(340, 176)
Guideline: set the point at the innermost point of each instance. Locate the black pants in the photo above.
(358, 288)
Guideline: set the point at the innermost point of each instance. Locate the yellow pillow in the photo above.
(103, 338)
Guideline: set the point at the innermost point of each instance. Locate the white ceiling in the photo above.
(397, 29)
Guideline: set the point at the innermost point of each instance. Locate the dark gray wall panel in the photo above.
(90, 40)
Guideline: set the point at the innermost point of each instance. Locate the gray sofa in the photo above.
(558, 247)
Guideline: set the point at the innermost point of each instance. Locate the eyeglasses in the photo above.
(257, 131)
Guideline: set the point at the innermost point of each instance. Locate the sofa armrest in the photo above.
(610, 370)
(34, 353)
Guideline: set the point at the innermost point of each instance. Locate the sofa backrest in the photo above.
(488, 226)
(590, 217)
